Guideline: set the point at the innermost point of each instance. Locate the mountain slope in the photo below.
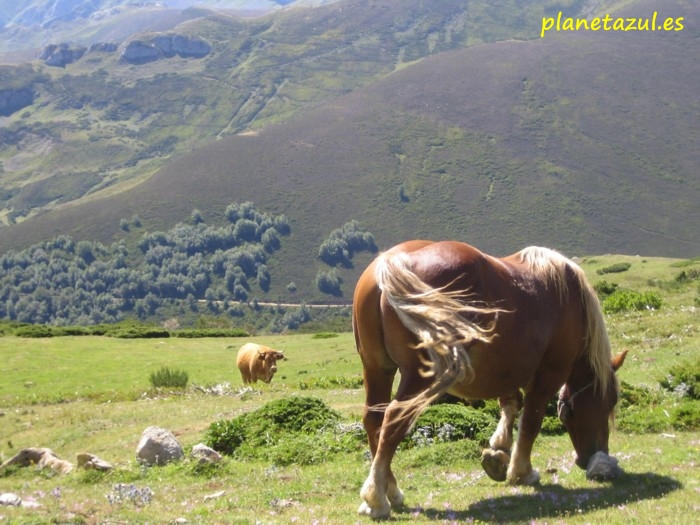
(132, 116)
(559, 141)
(584, 142)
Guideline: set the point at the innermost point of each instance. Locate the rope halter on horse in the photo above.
(565, 407)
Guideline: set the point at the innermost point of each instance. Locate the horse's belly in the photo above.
(491, 380)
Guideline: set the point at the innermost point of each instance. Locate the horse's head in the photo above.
(586, 412)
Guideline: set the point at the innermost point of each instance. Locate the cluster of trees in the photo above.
(338, 250)
(63, 282)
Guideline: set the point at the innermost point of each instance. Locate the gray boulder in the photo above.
(158, 446)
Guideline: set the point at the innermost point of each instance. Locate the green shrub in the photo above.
(226, 436)
(138, 332)
(441, 454)
(71, 330)
(451, 422)
(309, 448)
(34, 330)
(249, 434)
(687, 416)
(629, 300)
(687, 276)
(683, 379)
(644, 410)
(614, 268)
(166, 378)
(637, 396)
(324, 335)
(604, 288)
(643, 419)
(331, 382)
(210, 332)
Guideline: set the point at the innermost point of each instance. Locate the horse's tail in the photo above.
(552, 266)
(438, 317)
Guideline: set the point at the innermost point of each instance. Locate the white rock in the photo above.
(158, 447)
(10, 499)
(602, 467)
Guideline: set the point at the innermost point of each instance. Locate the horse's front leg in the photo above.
(380, 492)
(495, 460)
(520, 471)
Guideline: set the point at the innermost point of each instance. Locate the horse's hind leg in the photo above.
(495, 460)
(380, 492)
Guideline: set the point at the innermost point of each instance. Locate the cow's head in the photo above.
(269, 360)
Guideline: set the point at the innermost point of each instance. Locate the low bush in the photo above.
(34, 330)
(630, 300)
(683, 380)
(138, 332)
(687, 416)
(324, 335)
(167, 378)
(643, 419)
(451, 422)
(210, 332)
(280, 430)
(331, 382)
(614, 268)
(441, 454)
(637, 396)
(604, 288)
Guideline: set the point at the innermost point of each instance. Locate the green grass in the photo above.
(105, 416)
(79, 394)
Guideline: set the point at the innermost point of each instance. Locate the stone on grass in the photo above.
(41, 457)
(11, 500)
(158, 446)
(91, 462)
(602, 467)
(205, 454)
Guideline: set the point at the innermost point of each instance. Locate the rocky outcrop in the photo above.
(12, 100)
(59, 55)
(164, 45)
(103, 47)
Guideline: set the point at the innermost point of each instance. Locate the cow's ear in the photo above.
(262, 356)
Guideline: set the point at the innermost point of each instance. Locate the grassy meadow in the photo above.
(92, 394)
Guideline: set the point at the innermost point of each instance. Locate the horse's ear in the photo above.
(618, 360)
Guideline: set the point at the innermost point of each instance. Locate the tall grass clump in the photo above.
(167, 378)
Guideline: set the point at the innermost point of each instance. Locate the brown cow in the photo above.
(257, 362)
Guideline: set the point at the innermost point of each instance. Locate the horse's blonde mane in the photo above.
(551, 267)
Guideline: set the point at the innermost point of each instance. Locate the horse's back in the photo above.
(526, 328)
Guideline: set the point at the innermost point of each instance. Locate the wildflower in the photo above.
(128, 492)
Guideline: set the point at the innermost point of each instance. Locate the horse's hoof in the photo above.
(495, 463)
(396, 498)
(531, 479)
(375, 514)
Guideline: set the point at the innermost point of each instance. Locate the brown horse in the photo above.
(452, 319)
